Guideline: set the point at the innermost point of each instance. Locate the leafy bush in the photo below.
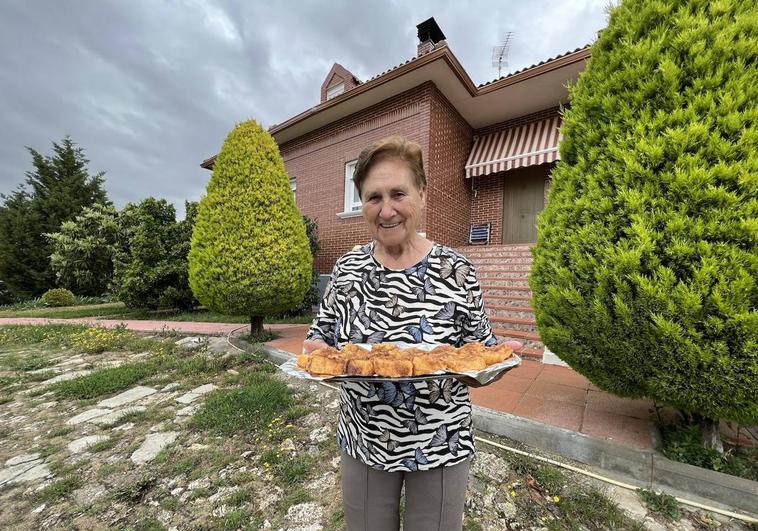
(150, 265)
(682, 443)
(250, 254)
(83, 250)
(58, 297)
(660, 503)
(6, 296)
(645, 274)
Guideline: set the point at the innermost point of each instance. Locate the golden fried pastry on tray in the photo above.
(387, 360)
(358, 367)
(392, 367)
(327, 366)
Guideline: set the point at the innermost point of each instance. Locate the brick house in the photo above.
(488, 152)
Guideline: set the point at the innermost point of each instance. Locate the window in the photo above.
(352, 199)
(335, 90)
(293, 186)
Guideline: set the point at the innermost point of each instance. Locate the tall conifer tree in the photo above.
(645, 274)
(56, 191)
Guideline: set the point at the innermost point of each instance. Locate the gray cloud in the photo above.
(149, 89)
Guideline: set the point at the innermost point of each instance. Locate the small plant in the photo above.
(58, 297)
(660, 503)
(263, 337)
(248, 409)
(133, 492)
(59, 489)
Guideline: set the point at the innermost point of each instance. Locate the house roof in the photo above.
(530, 89)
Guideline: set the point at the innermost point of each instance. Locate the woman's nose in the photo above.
(386, 211)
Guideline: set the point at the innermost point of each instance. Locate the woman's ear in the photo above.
(422, 193)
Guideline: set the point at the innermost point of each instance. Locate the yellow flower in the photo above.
(513, 493)
(556, 499)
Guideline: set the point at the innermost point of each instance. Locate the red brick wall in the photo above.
(487, 204)
(449, 193)
(317, 162)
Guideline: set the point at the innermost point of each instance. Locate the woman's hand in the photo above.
(309, 345)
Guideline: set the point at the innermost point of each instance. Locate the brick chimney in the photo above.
(430, 36)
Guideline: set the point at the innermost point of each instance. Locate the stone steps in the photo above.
(503, 273)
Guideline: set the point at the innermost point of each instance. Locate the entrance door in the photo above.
(523, 199)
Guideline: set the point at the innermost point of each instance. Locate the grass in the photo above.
(286, 469)
(683, 443)
(247, 409)
(662, 503)
(59, 489)
(104, 381)
(118, 310)
(134, 491)
(590, 509)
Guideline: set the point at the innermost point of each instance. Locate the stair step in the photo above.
(531, 353)
(519, 334)
(497, 275)
(509, 307)
(521, 324)
(525, 267)
(523, 298)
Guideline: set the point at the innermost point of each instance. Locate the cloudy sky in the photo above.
(150, 88)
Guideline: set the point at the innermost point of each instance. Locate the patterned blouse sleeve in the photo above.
(477, 327)
(324, 324)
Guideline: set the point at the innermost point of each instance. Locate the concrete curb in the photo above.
(646, 469)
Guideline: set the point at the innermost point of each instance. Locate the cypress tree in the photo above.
(56, 191)
(250, 253)
(645, 270)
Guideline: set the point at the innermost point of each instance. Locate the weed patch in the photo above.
(59, 489)
(662, 503)
(683, 444)
(134, 491)
(104, 382)
(247, 409)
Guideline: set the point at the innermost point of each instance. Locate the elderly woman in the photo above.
(401, 287)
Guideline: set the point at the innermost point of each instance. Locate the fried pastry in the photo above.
(457, 363)
(304, 361)
(428, 365)
(497, 354)
(392, 367)
(385, 349)
(359, 367)
(327, 365)
(352, 351)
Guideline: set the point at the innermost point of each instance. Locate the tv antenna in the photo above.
(500, 53)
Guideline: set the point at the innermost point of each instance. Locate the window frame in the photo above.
(335, 90)
(350, 205)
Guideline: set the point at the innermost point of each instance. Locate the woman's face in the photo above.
(392, 203)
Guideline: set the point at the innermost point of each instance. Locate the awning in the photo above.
(516, 147)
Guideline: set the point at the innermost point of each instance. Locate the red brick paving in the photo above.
(549, 394)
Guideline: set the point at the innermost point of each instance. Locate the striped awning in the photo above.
(524, 145)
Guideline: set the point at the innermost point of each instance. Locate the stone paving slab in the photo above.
(66, 376)
(87, 415)
(131, 395)
(151, 447)
(81, 444)
(110, 418)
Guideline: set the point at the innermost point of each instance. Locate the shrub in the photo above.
(150, 266)
(249, 254)
(83, 250)
(6, 296)
(58, 297)
(645, 275)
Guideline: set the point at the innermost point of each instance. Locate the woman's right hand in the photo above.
(309, 345)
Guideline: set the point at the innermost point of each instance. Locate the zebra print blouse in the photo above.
(404, 426)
